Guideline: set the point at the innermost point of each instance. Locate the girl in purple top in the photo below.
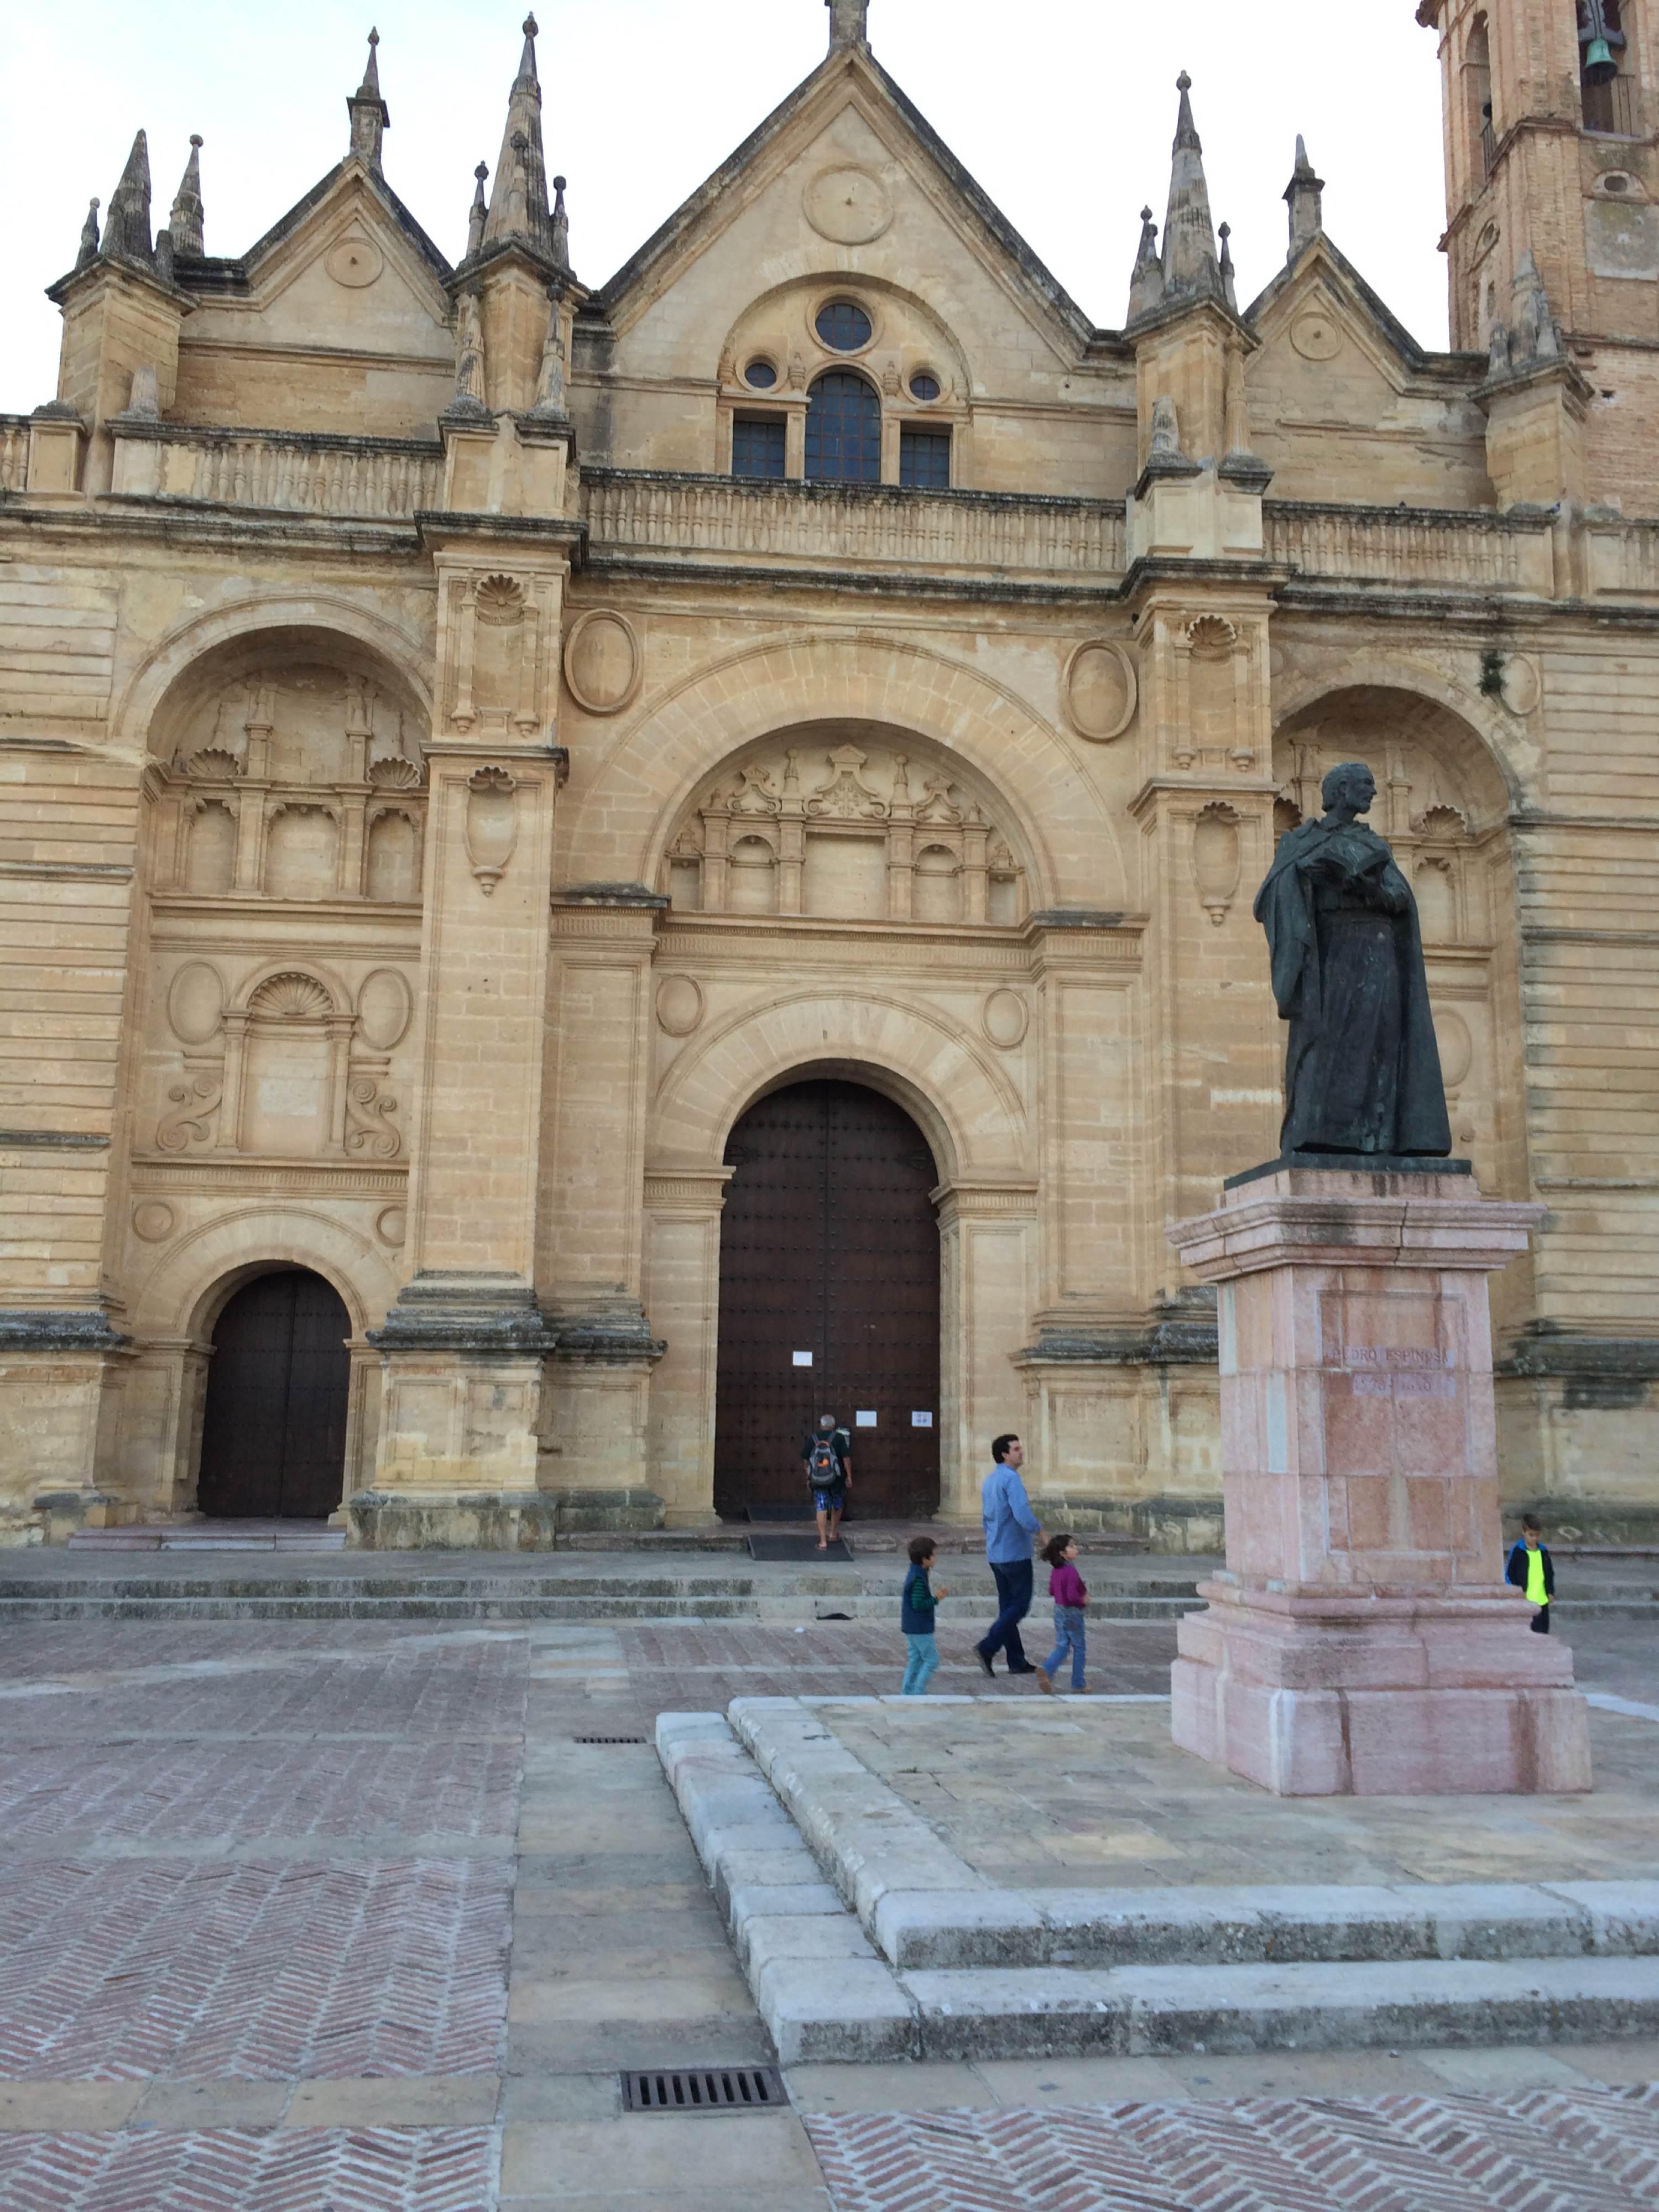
(1066, 1588)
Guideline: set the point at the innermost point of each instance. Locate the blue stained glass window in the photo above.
(925, 459)
(760, 375)
(843, 325)
(924, 386)
(843, 429)
(757, 446)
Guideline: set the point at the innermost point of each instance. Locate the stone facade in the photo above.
(467, 735)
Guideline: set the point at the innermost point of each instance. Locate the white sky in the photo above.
(1063, 109)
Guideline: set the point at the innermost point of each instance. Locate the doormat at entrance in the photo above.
(798, 1547)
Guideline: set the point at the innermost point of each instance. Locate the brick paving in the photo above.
(254, 1972)
(1586, 2150)
(344, 1915)
(236, 2170)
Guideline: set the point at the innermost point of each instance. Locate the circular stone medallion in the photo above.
(1100, 690)
(679, 1005)
(1524, 683)
(354, 262)
(195, 1002)
(383, 1006)
(1315, 336)
(847, 206)
(1004, 1019)
(392, 1226)
(602, 662)
(152, 1219)
(1457, 1046)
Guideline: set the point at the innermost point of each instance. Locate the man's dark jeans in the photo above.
(1013, 1581)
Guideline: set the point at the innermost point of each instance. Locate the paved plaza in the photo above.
(343, 1916)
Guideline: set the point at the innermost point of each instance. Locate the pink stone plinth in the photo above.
(1362, 1639)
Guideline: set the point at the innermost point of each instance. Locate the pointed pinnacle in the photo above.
(370, 86)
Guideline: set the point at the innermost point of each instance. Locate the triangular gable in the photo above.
(721, 197)
(308, 282)
(1370, 320)
(376, 185)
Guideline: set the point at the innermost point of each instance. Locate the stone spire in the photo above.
(370, 116)
(561, 226)
(1533, 339)
(126, 229)
(849, 23)
(518, 205)
(1305, 196)
(87, 250)
(1229, 281)
(478, 214)
(1146, 284)
(1191, 269)
(186, 220)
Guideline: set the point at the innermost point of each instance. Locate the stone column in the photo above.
(603, 940)
(683, 1291)
(1362, 1640)
(988, 1237)
(462, 1406)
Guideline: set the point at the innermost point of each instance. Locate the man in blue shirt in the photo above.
(1010, 1528)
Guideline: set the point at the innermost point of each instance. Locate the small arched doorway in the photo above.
(274, 1431)
(829, 1248)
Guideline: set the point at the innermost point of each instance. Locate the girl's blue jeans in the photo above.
(924, 1659)
(1068, 1637)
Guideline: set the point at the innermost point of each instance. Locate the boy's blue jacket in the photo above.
(916, 1605)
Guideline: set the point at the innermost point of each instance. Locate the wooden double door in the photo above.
(274, 1432)
(829, 1248)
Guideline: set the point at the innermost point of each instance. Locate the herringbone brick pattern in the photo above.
(77, 1797)
(115, 1971)
(1588, 2150)
(234, 2170)
(673, 1668)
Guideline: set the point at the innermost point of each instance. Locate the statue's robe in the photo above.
(1361, 1073)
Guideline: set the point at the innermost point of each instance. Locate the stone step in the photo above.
(316, 1601)
(828, 2009)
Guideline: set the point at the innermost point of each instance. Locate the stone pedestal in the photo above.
(1362, 1639)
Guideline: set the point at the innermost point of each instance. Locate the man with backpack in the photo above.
(826, 1456)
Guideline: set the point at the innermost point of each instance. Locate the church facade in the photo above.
(590, 872)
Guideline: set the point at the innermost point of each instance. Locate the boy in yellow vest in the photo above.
(1530, 1569)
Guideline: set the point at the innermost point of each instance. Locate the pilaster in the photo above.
(463, 1405)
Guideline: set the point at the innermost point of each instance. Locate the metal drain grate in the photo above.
(609, 1739)
(706, 2089)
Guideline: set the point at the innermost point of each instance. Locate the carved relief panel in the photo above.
(277, 786)
(284, 1066)
(854, 831)
(498, 647)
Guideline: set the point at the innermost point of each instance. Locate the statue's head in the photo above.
(1352, 785)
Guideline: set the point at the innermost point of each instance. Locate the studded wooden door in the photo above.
(273, 1436)
(830, 1246)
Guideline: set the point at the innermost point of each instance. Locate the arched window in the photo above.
(843, 429)
(1477, 86)
(1607, 88)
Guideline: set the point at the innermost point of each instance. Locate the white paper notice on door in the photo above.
(922, 1420)
(803, 1359)
(864, 1420)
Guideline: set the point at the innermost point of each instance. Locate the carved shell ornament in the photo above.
(1212, 637)
(393, 773)
(291, 997)
(499, 601)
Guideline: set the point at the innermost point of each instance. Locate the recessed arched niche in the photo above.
(848, 821)
(256, 740)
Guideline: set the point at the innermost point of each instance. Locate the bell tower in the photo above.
(1551, 108)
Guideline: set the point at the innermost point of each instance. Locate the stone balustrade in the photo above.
(381, 479)
(1417, 548)
(14, 451)
(638, 513)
